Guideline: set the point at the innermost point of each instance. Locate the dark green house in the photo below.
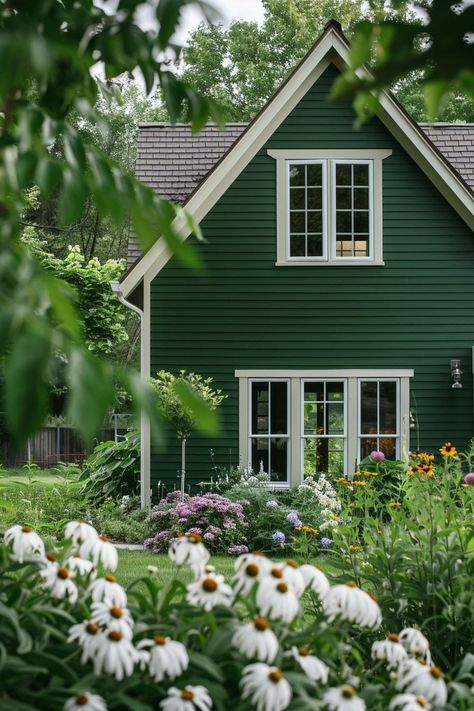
(336, 311)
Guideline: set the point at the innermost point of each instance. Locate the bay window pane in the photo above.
(279, 458)
(323, 456)
(279, 408)
(388, 407)
(368, 407)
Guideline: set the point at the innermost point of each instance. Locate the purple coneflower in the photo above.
(469, 478)
(377, 456)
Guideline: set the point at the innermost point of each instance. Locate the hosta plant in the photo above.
(277, 636)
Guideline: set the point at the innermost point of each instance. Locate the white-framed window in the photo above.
(329, 207)
(297, 423)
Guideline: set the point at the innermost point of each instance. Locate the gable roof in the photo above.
(331, 47)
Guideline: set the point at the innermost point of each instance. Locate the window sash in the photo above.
(324, 211)
(269, 436)
(378, 435)
(334, 211)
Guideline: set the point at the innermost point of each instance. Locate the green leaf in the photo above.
(62, 298)
(434, 92)
(91, 391)
(73, 197)
(207, 420)
(26, 384)
(48, 174)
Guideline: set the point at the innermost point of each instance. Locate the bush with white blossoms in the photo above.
(276, 636)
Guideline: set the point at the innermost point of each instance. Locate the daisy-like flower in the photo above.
(80, 531)
(258, 558)
(389, 650)
(415, 643)
(421, 679)
(314, 668)
(58, 581)
(190, 550)
(276, 597)
(246, 577)
(26, 545)
(265, 687)
(167, 658)
(190, 698)
(107, 588)
(209, 591)
(100, 550)
(449, 450)
(343, 698)
(353, 605)
(315, 580)
(292, 574)
(86, 634)
(408, 702)
(81, 566)
(114, 654)
(112, 617)
(85, 702)
(256, 640)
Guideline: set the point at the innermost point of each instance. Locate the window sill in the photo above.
(345, 263)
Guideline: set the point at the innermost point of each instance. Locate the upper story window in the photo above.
(329, 207)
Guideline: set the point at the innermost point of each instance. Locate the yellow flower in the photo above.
(448, 450)
(341, 480)
(354, 548)
(359, 483)
(394, 504)
(424, 456)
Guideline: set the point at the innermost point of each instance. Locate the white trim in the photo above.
(325, 374)
(310, 154)
(296, 379)
(145, 484)
(330, 47)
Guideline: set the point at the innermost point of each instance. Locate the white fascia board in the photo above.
(327, 373)
(331, 47)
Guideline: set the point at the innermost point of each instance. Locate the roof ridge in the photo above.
(167, 124)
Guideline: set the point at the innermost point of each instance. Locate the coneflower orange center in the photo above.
(116, 612)
(347, 692)
(63, 573)
(277, 573)
(51, 556)
(115, 635)
(393, 637)
(436, 672)
(187, 695)
(92, 628)
(103, 538)
(276, 675)
(351, 584)
(26, 529)
(260, 624)
(110, 578)
(303, 651)
(209, 585)
(421, 701)
(282, 587)
(252, 570)
(82, 699)
(159, 640)
(194, 537)
(292, 563)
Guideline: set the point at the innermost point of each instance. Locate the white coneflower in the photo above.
(85, 702)
(188, 699)
(389, 650)
(418, 678)
(265, 687)
(100, 550)
(409, 702)
(353, 605)
(343, 698)
(258, 558)
(81, 566)
(314, 668)
(26, 545)
(112, 617)
(415, 643)
(114, 654)
(57, 580)
(107, 588)
(189, 550)
(255, 640)
(167, 658)
(246, 577)
(209, 591)
(85, 634)
(79, 531)
(292, 574)
(315, 580)
(276, 598)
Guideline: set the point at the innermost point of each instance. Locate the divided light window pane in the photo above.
(323, 427)
(269, 434)
(306, 209)
(352, 218)
(378, 416)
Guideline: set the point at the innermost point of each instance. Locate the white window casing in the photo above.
(352, 379)
(329, 159)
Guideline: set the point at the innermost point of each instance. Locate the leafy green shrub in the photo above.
(113, 469)
(124, 523)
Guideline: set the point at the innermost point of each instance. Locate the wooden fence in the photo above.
(61, 443)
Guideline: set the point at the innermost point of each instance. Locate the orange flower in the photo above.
(394, 504)
(359, 483)
(449, 450)
(424, 456)
(354, 548)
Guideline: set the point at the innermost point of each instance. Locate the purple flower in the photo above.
(469, 478)
(294, 518)
(195, 530)
(325, 543)
(148, 542)
(208, 536)
(237, 550)
(272, 504)
(377, 456)
(279, 537)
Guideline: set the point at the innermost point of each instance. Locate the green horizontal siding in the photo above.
(417, 311)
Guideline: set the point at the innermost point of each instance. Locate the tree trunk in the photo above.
(183, 466)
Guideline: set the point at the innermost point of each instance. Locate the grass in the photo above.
(134, 564)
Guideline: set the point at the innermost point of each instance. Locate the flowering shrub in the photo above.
(73, 638)
(220, 522)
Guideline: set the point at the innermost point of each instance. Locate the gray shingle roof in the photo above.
(173, 162)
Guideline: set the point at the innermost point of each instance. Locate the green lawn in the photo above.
(134, 564)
